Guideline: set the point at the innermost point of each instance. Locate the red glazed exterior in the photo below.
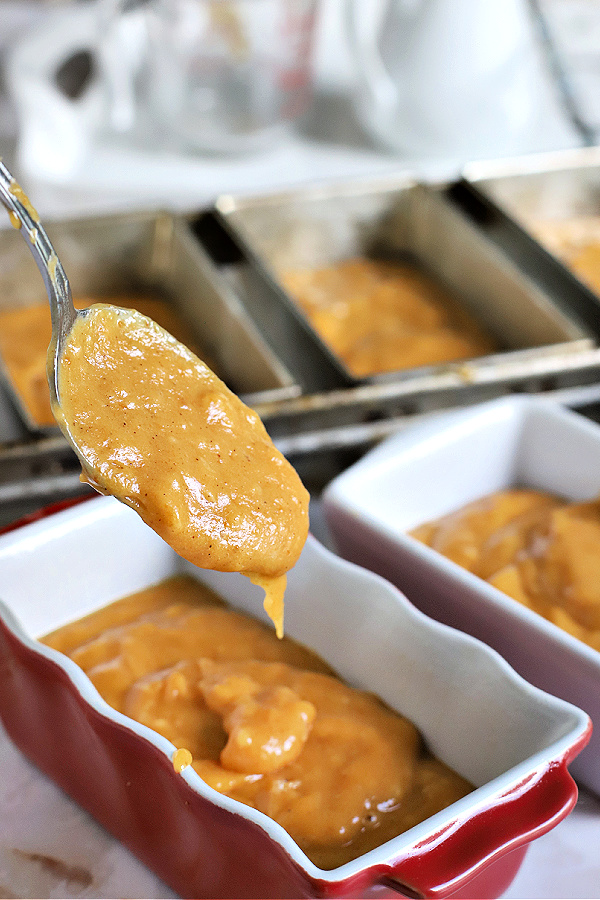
(203, 850)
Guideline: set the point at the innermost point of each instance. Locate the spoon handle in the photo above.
(25, 218)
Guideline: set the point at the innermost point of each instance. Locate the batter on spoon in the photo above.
(156, 428)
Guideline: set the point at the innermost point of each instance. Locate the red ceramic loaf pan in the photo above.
(513, 741)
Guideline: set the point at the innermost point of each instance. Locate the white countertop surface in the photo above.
(50, 848)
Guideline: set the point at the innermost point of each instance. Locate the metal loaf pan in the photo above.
(541, 186)
(393, 218)
(153, 252)
(517, 197)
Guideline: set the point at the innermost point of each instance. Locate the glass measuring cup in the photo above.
(228, 76)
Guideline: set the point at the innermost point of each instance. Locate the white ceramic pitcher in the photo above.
(447, 78)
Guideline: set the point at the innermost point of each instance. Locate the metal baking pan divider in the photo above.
(556, 185)
(535, 260)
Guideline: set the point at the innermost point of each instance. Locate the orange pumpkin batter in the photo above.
(158, 430)
(381, 316)
(25, 334)
(265, 720)
(538, 549)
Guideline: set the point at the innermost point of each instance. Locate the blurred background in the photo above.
(105, 101)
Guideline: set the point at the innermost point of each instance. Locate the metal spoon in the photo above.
(159, 508)
(63, 313)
